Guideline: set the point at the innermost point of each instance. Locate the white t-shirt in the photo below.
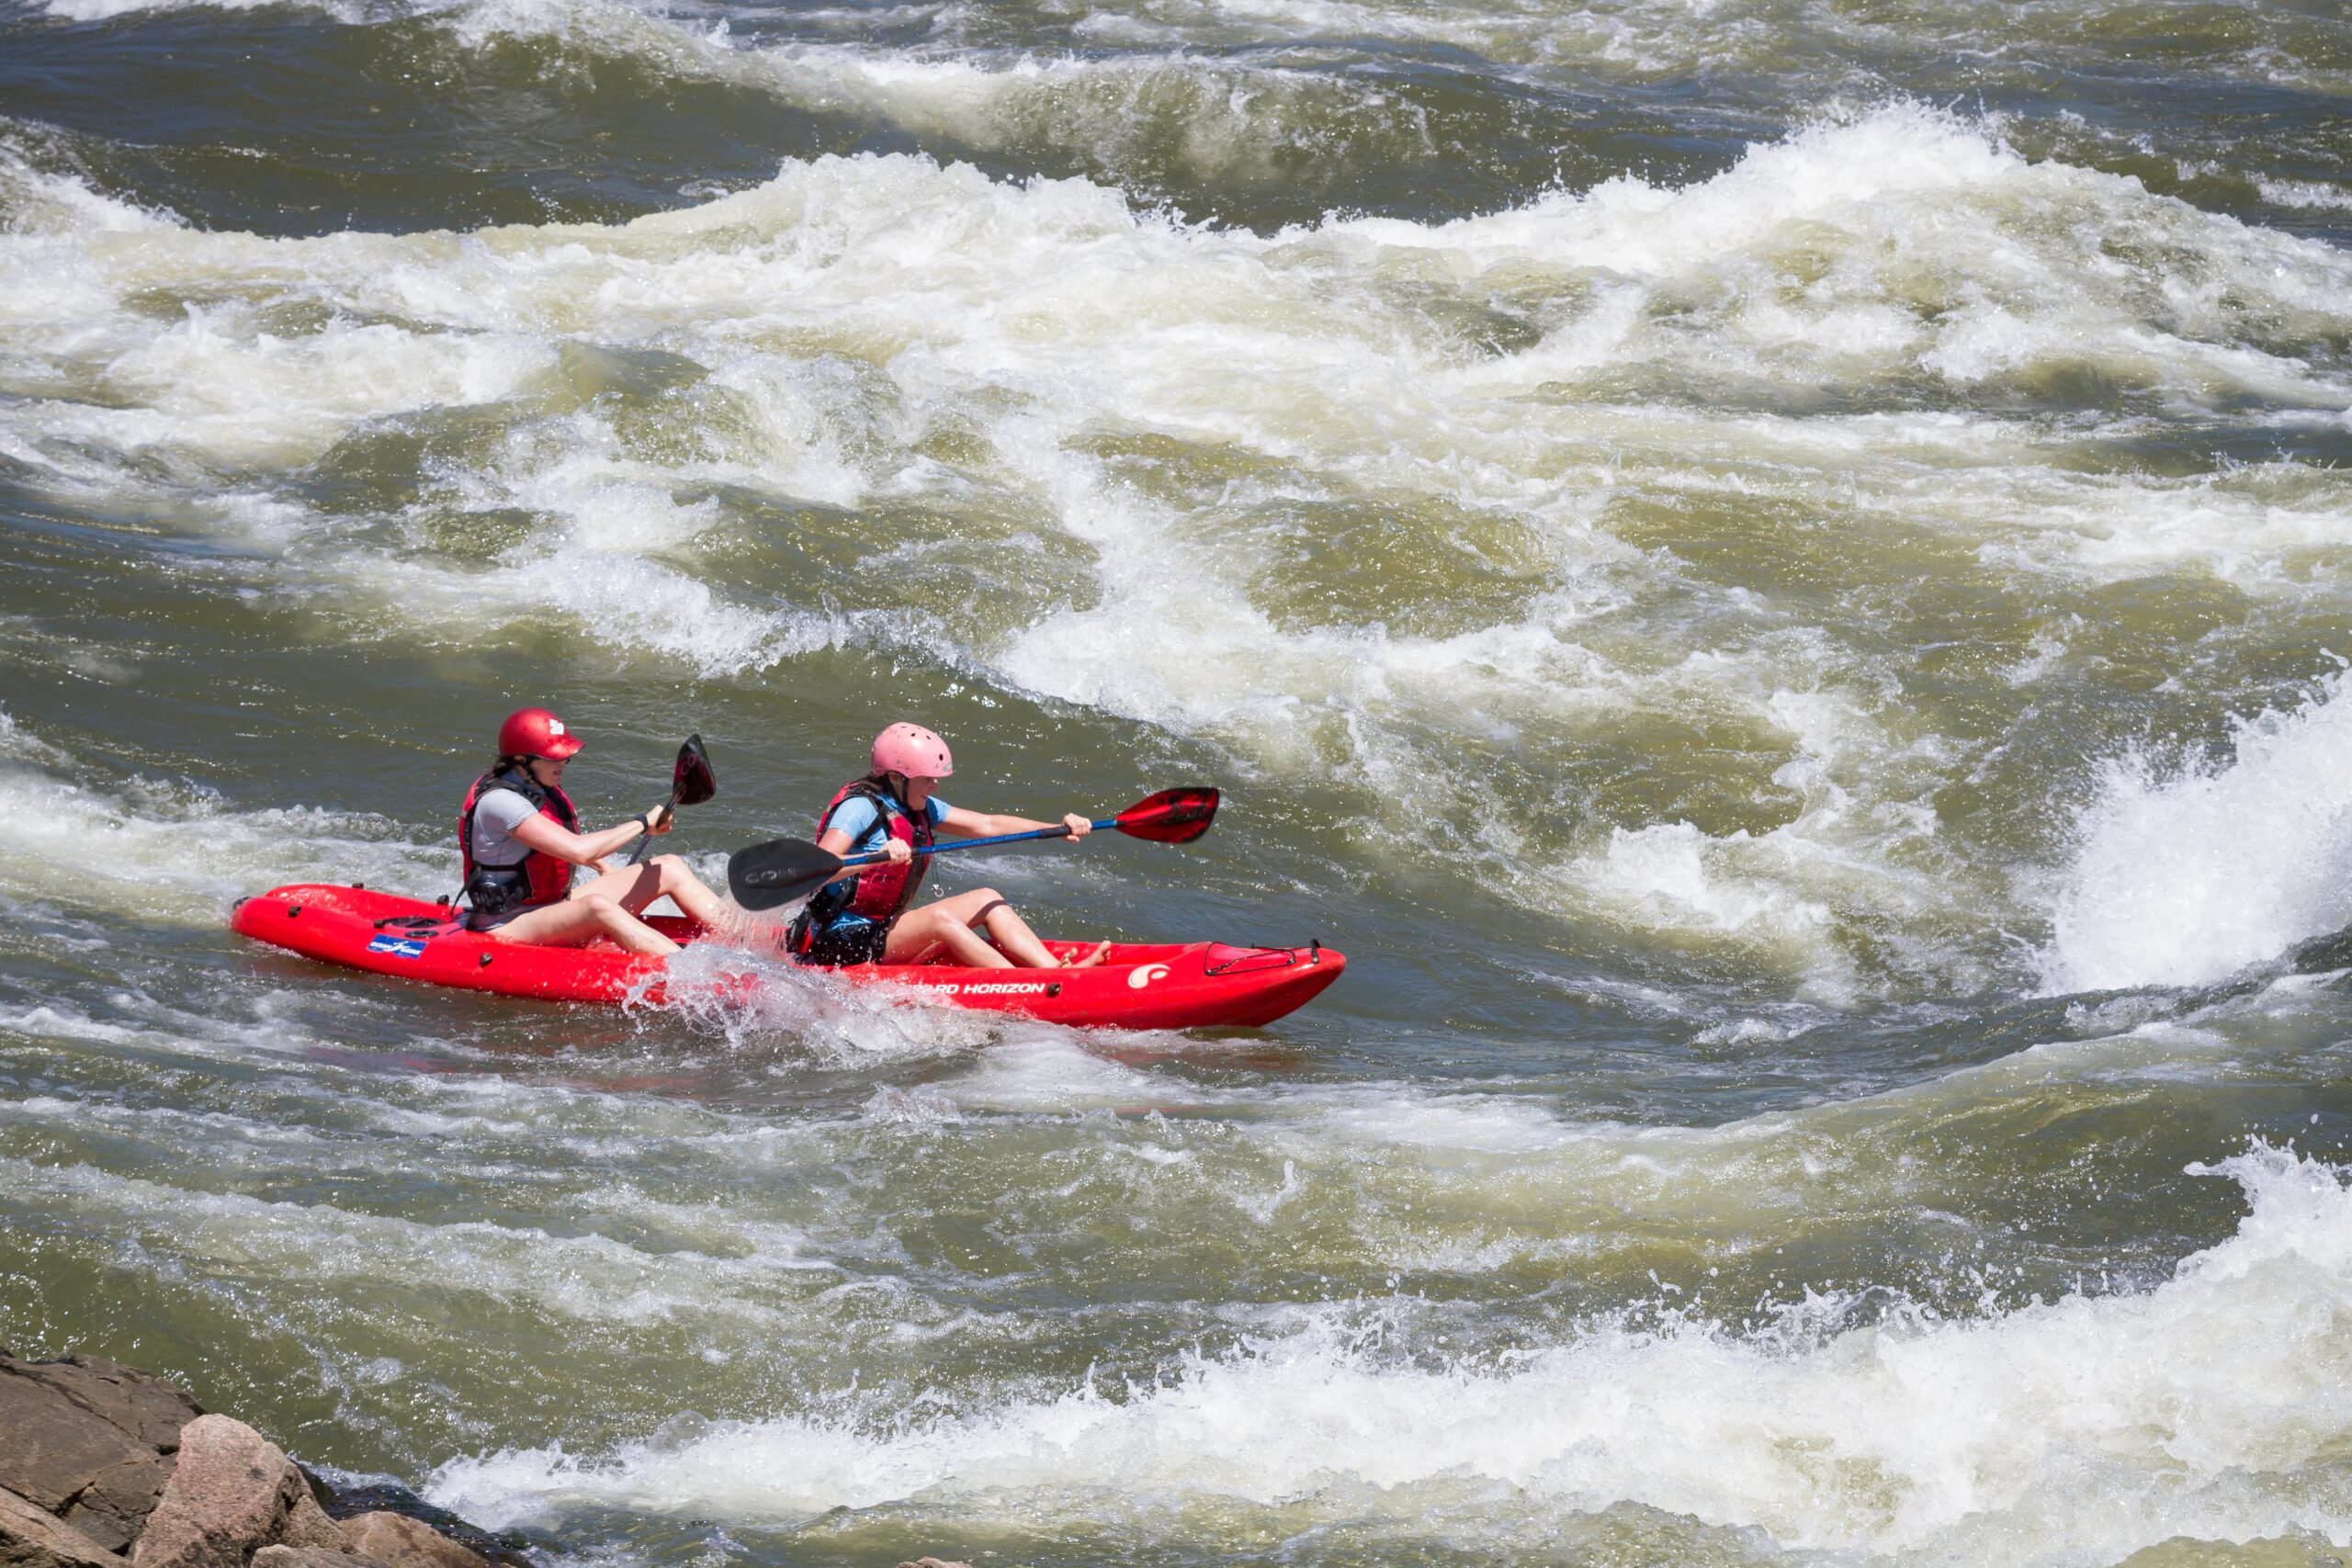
(497, 813)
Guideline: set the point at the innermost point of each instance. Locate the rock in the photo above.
(307, 1526)
(31, 1537)
(139, 1405)
(398, 1541)
(230, 1495)
(282, 1556)
(98, 1458)
(113, 1508)
(92, 1441)
(56, 1447)
(376, 1496)
(69, 1462)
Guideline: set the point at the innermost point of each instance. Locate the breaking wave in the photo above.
(2049, 1434)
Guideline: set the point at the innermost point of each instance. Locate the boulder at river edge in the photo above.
(104, 1466)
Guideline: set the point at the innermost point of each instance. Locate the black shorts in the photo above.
(847, 943)
(490, 920)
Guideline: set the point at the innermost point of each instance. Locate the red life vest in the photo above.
(882, 891)
(536, 878)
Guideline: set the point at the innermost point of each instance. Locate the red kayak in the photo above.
(1140, 986)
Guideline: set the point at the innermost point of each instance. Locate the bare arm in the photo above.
(958, 823)
(836, 842)
(550, 837)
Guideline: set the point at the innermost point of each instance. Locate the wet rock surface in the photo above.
(104, 1466)
(34, 1538)
(283, 1556)
(231, 1493)
(348, 1503)
(398, 1541)
(90, 1441)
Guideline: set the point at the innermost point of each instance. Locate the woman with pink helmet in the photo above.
(866, 916)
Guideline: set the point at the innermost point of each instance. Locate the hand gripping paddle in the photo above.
(781, 869)
(691, 784)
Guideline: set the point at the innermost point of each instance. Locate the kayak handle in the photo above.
(414, 922)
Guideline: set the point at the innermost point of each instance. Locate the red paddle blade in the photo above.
(1171, 816)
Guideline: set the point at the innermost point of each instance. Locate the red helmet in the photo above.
(535, 732)
(912, 749)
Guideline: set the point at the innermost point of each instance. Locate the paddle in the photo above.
(764, 876)
(691, 784)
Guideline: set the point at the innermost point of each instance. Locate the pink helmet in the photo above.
(912, 749)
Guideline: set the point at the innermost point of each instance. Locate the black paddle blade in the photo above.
(692, 782)
(1171, 816)
(764, 876)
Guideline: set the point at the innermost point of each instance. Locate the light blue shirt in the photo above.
(861, 821)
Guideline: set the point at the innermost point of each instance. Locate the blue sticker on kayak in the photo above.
(399, 946)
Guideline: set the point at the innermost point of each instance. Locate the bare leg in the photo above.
(1012, 934)
(947, 923)
(580, 919)
(633, 888)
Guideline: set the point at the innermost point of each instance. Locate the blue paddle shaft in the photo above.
(871, 856)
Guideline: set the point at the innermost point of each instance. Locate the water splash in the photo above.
(2183, 876)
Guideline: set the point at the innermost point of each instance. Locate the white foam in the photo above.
(1392, 1119)
(580, 1278)
(175, 852)
(2305, 194)
(106, 10)
(218, 382)
(808, 1013)
(1228, 120)
(2072, 1432)
(38, 204)
(50, 1022)
(2184, 875)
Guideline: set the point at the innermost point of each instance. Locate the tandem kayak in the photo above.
(1140, 986)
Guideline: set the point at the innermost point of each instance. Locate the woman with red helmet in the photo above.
(520, 839)
(866, 916)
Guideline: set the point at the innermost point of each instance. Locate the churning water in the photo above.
(1778, 574)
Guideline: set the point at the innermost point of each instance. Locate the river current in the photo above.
(1777, 573)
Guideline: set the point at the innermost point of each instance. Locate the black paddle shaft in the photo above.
(691, 784)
